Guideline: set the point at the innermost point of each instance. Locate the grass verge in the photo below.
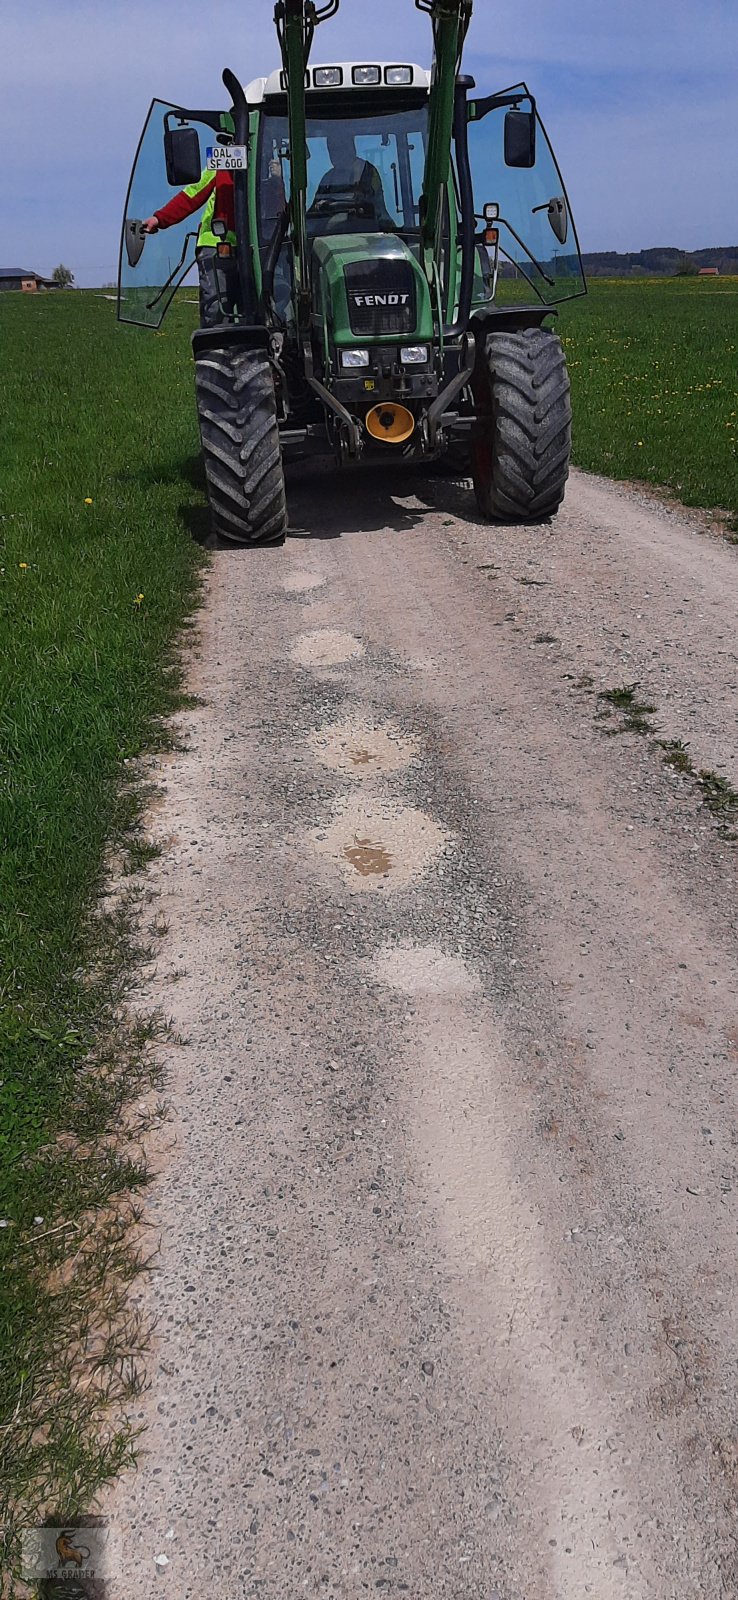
(98, 573)
(654, 369)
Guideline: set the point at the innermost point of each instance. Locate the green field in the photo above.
(654, 377)
(97, 571)
(101, 494)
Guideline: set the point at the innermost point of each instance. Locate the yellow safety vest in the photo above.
(205, 236)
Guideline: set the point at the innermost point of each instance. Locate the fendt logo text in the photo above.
(380, 299)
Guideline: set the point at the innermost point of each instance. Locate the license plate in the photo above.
(226, 158)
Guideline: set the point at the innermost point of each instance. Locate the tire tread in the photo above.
(237, 413)
(521, 444)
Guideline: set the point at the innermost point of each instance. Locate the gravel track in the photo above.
(447, 1284)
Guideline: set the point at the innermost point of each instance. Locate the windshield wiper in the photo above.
(157, 297)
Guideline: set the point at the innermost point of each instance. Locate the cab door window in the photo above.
(152, 266)
(539, 249)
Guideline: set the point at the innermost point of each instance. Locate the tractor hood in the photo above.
(370, 287)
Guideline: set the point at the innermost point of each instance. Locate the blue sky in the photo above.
(640, 98)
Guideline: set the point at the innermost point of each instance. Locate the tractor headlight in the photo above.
(398, 75)
(364, 75)
(327, 77)
(354, 358)
(414, 355)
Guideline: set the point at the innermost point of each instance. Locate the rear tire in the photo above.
(237, 412)
(521, 440)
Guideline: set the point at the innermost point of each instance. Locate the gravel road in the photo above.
(447, 1292)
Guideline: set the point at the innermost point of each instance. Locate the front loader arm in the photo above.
(450, 20)
(296, 21)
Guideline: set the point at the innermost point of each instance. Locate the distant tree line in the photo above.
(660, 263)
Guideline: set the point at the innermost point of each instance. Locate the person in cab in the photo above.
(350, 195)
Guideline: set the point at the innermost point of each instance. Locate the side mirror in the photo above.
(520, 139)
(182, 156)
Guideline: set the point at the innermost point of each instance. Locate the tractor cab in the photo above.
(365, 145)
(366, 134)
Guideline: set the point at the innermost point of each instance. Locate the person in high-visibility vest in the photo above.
(215, 253)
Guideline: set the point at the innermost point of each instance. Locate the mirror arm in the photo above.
(211, 118)
(494, 102)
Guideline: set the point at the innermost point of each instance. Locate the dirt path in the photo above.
(447, 1297)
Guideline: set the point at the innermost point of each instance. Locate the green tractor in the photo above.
(392, 250)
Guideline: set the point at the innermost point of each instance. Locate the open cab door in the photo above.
(519, 191)
(172, 153)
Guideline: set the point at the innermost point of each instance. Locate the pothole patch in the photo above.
(380, 843)
(362, 748)
(300, 581)
(417, 969)
(369, 858)
(326, 647)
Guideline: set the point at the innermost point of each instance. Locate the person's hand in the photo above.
(151, 225)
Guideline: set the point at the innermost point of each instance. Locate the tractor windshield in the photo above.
(365, 172)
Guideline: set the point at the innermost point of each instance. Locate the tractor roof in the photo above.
(342, 75)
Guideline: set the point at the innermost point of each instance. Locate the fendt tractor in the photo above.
(395, 247)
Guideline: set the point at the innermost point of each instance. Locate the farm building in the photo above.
(29, 282)
(709, 272)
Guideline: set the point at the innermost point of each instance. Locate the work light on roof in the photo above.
(397, 75)
(327, 77)
(365, 75)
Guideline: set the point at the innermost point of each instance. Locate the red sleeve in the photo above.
(183, 205)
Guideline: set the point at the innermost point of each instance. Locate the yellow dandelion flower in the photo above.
(23, 566)
(88, 501)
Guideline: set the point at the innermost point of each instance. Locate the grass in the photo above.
(633, 716)
(634, 713)
(676, 755)
(97, 573)
(715, 791)
(654, 369)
